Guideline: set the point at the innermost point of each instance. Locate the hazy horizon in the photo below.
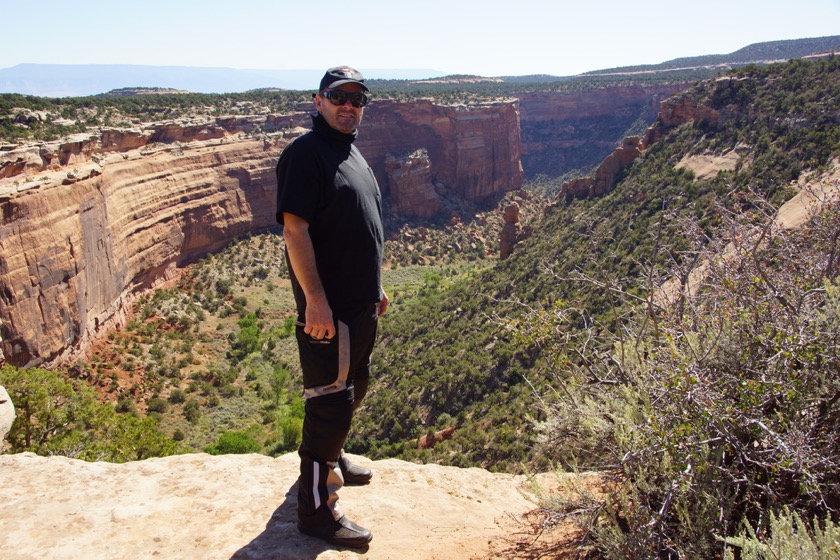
(487, 38)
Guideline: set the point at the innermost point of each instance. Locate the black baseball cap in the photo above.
(341, 75)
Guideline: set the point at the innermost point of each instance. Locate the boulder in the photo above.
(7, 414)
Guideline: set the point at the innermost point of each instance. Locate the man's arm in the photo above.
(319, 317)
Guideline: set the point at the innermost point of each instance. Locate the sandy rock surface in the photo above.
(244, 507)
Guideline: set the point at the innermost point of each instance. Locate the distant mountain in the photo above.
(773, 51)
(759, 53)
(72, 80)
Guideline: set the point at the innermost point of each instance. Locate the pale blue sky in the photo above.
(489, 37)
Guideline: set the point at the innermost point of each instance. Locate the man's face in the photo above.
(344, 118)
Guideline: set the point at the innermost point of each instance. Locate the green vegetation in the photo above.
(789, 537)
(713, 410)
(58, 417)
(233, 443)
(555, 357)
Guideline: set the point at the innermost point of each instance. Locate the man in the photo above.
(331, 209)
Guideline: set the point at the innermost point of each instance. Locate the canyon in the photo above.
(90, 222)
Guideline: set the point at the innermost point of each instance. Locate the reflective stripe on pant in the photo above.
(325, 427)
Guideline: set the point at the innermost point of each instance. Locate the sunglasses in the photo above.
(337, 97)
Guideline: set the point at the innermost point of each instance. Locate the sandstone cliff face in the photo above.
(607, 174)
(74, 252)
(674, 111)
(23, 162)
(471, 149)
(566, 131)
(510, 231)
(685, 108)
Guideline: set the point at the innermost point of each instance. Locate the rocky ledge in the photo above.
(244, 507)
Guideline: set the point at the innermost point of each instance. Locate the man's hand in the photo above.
(319, 319)
(383, 304)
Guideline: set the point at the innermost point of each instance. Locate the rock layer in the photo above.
(410, 180)
(607, 174)
(472, 149)
(510, 231)
(575, 130)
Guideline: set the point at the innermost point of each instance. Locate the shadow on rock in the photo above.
(281, 539)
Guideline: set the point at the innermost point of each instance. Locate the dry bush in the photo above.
(717, 408)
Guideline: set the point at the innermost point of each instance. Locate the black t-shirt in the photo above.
(322, 178)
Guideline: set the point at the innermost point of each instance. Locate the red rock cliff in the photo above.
(471, 149)
(411, 185)
(575, 130)
(674, 111)
(77, 246)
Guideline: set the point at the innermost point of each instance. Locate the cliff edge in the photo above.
(244, 507)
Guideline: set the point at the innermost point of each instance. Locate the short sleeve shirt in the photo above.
(323, 179)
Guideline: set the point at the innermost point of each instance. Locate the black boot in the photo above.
(353, 474)
(340, 532)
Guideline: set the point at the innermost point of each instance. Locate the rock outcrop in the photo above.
(687, 107)
(607, 174)
(7, 415)
(23, 162)
(472, 149)
(428, 441)
(410, 180)
(510, 231)
(244, 507)
(674, 111)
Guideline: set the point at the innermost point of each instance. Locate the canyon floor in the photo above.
(243, 507)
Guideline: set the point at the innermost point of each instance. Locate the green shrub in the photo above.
(789, 537)
(54, 417)
(156, 404)
(290, 430)
(233, 443)
(717, 407)
(192, 411)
